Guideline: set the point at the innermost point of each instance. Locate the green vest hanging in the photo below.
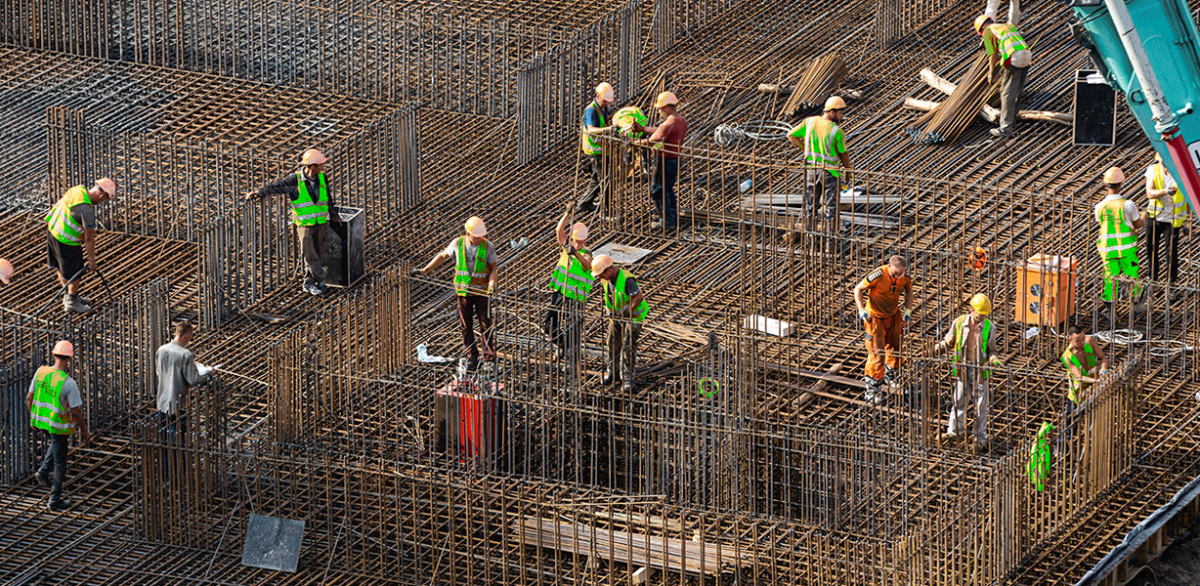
(960, 336)
(1040, 457)
(306, 211)
(1069, 358)
(48, 411)
(62, 226)
(467, 280)
(571, 279)
(618, 299)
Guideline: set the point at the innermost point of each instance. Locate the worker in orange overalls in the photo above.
(878, 300)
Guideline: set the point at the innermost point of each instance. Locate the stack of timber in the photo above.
(817, 84)
(950, 118)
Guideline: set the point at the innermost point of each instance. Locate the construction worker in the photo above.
(6, 271)
(570, 285)
(55, 407)
(667, 139)
(1119, 220)
(970, 337)
(72, 230)
(308, 190)
(1081, 358)
(1005, 48)
(177, 370)
(878, 297)
(623, 300)
(475, 263)
(595, 123)
(1041, 456)
(1169, 209)
(824, 146)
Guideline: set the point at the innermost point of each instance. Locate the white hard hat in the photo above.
(312, 157)
(1114, 175)
(6, 271)
(107, 185)
(604, 91)
(475, 227)
(600, 264)
(579, 231)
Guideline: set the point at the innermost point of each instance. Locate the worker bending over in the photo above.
(72, 225)
(824, 146)
(666, 138)
(595, 123)
(475, 263)
(308, 190)
(626, 306)
(1081, 358)
(55, 407)
(970, 337)
(1005, 47)
(1169, 210)
(1119, 222)
(878, 299)
(570, 284)
(177, 370)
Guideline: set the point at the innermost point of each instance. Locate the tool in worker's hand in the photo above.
(865, 316)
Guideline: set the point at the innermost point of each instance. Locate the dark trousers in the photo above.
(563, 335)
(622, 348)
(1162, 239)
(470, 307)
(662, 191)
(591, 197)
(56, 456)
(1012, 84)
(312, 246)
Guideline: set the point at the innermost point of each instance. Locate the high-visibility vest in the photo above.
(960, 338)
(305, 211)
(1040, 456)
(62, 225)
(618, 299)
(49, 413)
(1158, 180)
(468, 281)
(1089, 359)
(820, 136)
(1116, 239)
(571, 279)
(589, 144)
(1010, 40)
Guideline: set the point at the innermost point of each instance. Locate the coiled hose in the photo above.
(727, 134)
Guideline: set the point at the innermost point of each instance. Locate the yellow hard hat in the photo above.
(579, 231)
(108, 185)
(1158, 156)
(666, 99)
(6, 271)
(63, 348)
(835, 103)
(982, 20)
(1114, 175)
(475, 227)
(312, 157)
(604, 91)
(600, 264)
(982, 304)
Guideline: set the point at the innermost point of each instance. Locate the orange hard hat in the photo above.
(1114, 175)
(108, 185)
(6, 271)
(980, 21)
(835, 103)
(600, 264)
(666, 99)
(64, 348)
(475, 227)
(579, 231)
(604, 91)
(312, 157)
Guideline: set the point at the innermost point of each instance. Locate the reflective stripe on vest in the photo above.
(960, 338)
(819, 136)
(1180, 208)
(61, 224)
(1010, 40)
(591, 146)
(1069, 358)
(571, 279)
(1115, 236)
(467, 281)
(617, 302)
(306, 211)
(48, 411)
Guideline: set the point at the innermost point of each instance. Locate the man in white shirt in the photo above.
(1168, 208)
(1119, 222)
(177, 370)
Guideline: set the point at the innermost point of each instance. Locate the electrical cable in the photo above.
(1158, 347)
(727, 134)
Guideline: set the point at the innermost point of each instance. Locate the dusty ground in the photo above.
(1178, 566)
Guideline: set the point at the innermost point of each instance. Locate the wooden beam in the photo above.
(988, 113)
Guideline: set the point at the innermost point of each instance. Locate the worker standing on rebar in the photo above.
(626, 305)
(475, 272)
(55, 407)
(311, 199)
(824, 144)
(1081, 358)
(595, 123)
(570, 285)
(1005, 48)
(72, 230)
(667, 139)
(970, 338)
(177, 370)
(878, 299)
(1119, 222)
(1169, 209)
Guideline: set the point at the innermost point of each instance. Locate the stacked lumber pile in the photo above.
(817, 84)
(950, 118)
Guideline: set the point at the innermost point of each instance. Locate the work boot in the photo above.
(873, 394)
(472, 363)
(609, 379)
(43, 479)
(980, 447)
(74, 304)
(312, 290)
(59, 505)
(627, 386)
(949, 439)
(1000, 132)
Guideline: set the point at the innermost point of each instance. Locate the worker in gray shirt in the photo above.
(177, 370)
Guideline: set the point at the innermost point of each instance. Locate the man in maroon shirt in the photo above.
(666, 139)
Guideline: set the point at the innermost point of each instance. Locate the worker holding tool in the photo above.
(595, 123)
(970, 337)
(878, 299)
(570, 285)
(475, 263)
(177, 370)
(666, 138)
(55, 407)
(824, 146)
(1119, 222)
(1005, 48)
(1169, 209)
(6, 271)
(308, 190)
(1081, 357)
(72, 225)
(627, 309)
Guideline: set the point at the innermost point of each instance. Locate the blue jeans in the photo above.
(662, 191)
(56, 456)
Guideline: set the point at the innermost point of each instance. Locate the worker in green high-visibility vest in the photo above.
(970, 337)
(626, 306)
(311, 199)
(1041, 456)
(1120, 222)
(1005, 48)
(475, 264)
(570, 285)
(595, 123)
(55, 407)
(1169, 209)
(1082, 357)
(71, 227)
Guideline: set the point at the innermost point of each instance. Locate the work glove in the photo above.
(490, 291)
(865, 316)
(907, 315)
(996, 361)
(418, 272)
(570, 250)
